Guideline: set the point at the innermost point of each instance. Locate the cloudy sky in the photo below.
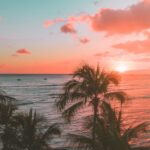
(56, 36)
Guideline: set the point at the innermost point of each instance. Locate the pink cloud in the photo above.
(23, 51)
(138, 46)
(52, 22)
(84, 40)
(78, 19)
(143, 59)
(110, 54)
(103, 54)
(68, 28)
(70, 20)
(48, 23)
(134, 19)
(145, 0)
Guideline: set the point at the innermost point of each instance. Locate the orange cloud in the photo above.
(23, 51)
(134, 19)
(109, 54)
(78, 19)
(145, 0)
(52, 22)
(68, 28)
(69, 20)
(103, 54)
(48, 23)
(143, 59)
(138, 46)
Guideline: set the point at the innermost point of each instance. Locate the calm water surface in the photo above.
(39, 92)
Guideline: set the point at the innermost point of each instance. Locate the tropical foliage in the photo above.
(110, 132)
(24, 131)
(89, 86)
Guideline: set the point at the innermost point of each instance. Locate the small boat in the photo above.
(45, 78)
(18, 79)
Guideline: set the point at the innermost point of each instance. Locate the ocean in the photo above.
(39, 92)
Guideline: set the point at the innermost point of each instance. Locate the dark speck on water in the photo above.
(18, 79)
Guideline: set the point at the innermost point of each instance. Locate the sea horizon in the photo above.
(39, 91)
(126, 72)
(75, 74)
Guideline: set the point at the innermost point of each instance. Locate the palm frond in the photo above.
(52, 130)
(109, 116)
(62, 101)
(88, 122)
(6, 112)
(117, 95)
(132, 132)
(113, 77)
(84, 72)
(80, 142)
(71, 85)
(70, 112)
(5, 98)
(67, 98)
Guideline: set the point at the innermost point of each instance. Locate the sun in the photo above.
(121, 68)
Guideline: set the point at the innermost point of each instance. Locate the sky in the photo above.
(57, 36)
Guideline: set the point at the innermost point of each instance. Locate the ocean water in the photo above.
(39, 92)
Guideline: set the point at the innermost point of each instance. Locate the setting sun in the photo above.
(121, 68)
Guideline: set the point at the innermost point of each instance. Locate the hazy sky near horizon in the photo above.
(56, 36)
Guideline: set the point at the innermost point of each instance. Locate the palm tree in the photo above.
(88, 86)
(7, 111)
(23, 131)
(31, 132)
(110, 132)
(5, 98)
(7, 108)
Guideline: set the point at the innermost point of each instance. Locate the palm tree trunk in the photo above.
(95, 104)
(94, 127)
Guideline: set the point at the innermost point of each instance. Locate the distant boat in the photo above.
(45, 78)
(18, 79)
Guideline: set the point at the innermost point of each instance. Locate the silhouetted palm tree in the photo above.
(88, 85)
(5, 98)
(28, 132)
(7, 111)
(7, 108)
(23, 131)
(110, 132)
